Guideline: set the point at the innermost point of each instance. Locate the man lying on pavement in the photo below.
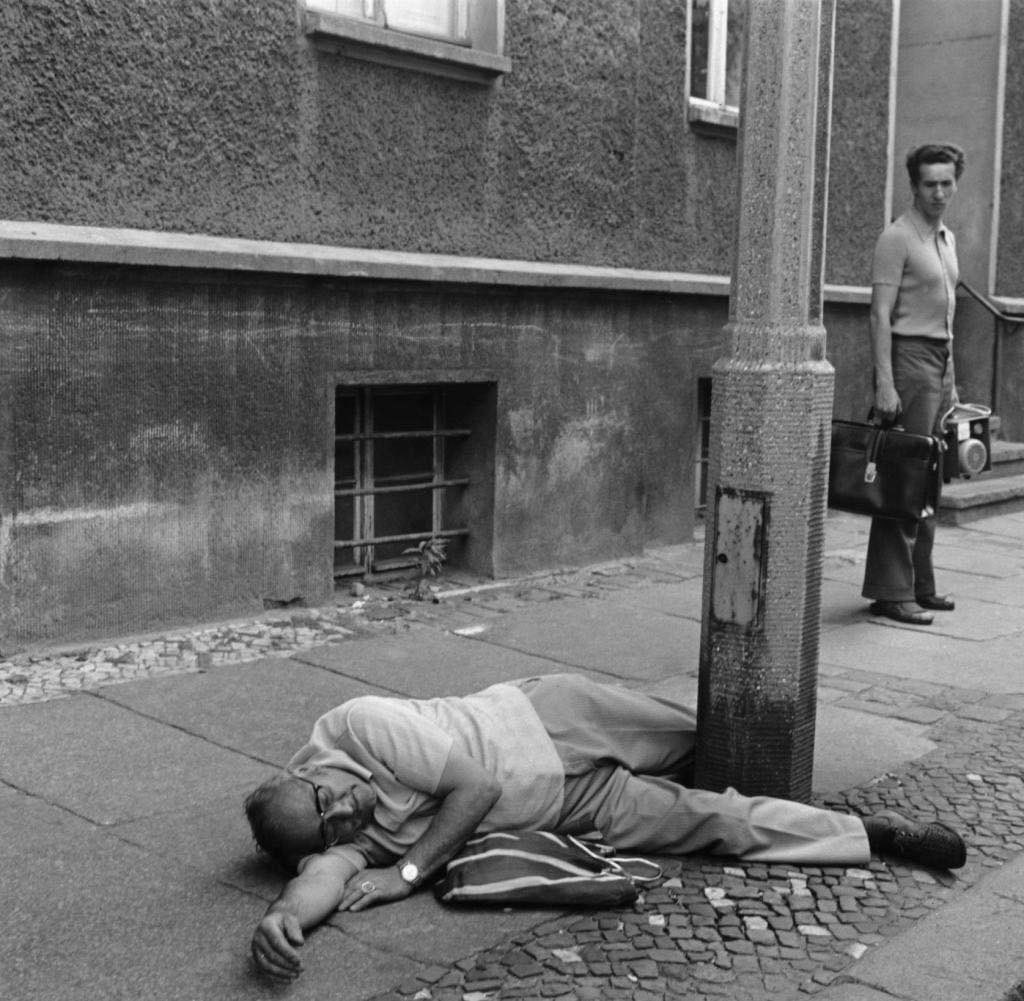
(387, 790)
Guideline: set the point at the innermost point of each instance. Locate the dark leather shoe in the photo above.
(934, 845)
(902, 611)
(936, 602)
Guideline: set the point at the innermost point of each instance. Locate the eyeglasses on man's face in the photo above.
(321, 800)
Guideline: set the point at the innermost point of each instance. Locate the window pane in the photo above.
(700, 32)
(350, 8)
(435, 18)
(734, 51)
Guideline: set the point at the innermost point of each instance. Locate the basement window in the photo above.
(405, 460)
(700, 479)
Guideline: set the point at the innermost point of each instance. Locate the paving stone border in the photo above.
(721, 929)
(44, 674)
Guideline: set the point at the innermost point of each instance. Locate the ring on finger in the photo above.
(367, 886)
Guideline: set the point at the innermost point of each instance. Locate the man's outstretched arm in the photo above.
(304, 902)
(467, 792)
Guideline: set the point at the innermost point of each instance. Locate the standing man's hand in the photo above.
(887, 403)
(274, 945)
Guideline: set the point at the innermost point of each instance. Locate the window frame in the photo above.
(712, 111)
(475, 54)
(362, 481)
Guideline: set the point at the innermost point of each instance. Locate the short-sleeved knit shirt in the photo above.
(401, 747)
(921, 262)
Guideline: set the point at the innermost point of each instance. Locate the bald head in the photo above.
(283, 816)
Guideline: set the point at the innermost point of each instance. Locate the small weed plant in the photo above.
(431, 554)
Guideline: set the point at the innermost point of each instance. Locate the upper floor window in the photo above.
(716, 32)
(445, 19)
(460, 38)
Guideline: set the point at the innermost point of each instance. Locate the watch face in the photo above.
(409, 872)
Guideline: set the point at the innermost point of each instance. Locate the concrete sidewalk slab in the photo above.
(628, 643)
(87, 916)
(264, 708)
(423, 663)
(971, 949)
(216, 842)
(989, 554)
(422, 929)
(109, 764)
(917, 654)
(972, 620)
(682, 600)
(851, 748)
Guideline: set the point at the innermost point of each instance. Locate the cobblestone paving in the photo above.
(714, 929)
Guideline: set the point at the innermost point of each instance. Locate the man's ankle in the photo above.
(880, 831)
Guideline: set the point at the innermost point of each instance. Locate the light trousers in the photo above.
(616, 743)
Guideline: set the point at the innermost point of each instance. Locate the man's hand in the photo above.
(373, 886)
(887, 403)
(273, 945)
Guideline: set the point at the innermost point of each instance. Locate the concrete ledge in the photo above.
(40, 241)
(44, 241)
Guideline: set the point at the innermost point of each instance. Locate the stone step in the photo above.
(982, 496)
(1007, 458)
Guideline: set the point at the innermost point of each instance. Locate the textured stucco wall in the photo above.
(222, 118)
(857, 158)
(1010, 263)
(169, 436)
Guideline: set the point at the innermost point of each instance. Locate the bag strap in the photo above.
(618, 863)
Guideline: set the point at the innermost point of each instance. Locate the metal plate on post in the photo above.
(740, 566)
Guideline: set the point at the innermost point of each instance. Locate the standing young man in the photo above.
(913, 299)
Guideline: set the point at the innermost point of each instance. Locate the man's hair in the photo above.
(268, 816)
(934, 153)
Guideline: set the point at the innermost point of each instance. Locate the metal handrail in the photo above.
(990, 305)
(1006, 321)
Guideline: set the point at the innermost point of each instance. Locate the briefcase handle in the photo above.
(873, 451)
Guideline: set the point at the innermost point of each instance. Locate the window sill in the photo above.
(715, 119)
(393, 48)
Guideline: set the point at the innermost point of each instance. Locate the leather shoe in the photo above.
(936, 602)
(934, 845)
(902, 611)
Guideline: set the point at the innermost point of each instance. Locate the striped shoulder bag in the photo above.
(542, 869)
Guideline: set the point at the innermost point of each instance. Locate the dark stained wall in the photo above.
(169, 435)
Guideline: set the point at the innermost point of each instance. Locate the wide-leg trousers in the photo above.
(617, 744)
(899, 560)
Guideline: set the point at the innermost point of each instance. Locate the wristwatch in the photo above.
(409, 872)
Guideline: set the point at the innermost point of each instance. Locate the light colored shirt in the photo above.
(401, 747)
(921, 262)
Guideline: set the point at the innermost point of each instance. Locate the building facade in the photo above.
(286, 288)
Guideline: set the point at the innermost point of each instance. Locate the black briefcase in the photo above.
(883, 472)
